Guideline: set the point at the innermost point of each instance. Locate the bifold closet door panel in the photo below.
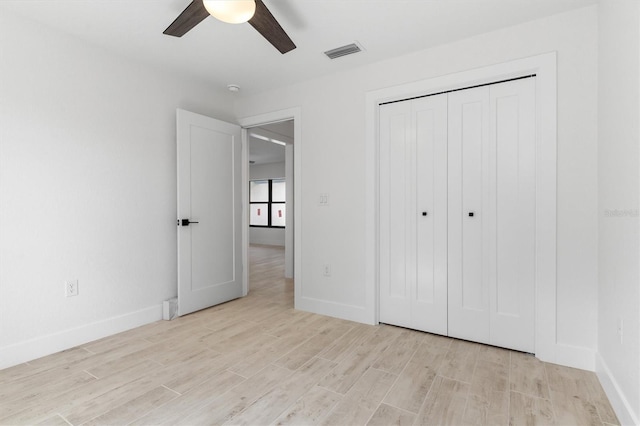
(397, 196)
(492, 214)
(513, 136)
(470, 215)
(429, 303)
(413, 214)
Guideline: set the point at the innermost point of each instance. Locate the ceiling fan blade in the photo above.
(264, 22)
(189, 18)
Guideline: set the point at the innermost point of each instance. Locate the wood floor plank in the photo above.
(79, 413)
(49, 404)
(445, 403)
(48, 380)
(214, 338)
(583, 386)
(102, 366)
(64, 358)
(282, 319)
(526, 409)
(396, 357)
(460, 360)
(343, 377)
(488, 401)
(362, 400)
(89, 409)
(491, 372)
(55, 420)
(387, 415)
(490, 408)
(301, 325)
(17, 372)
(239, 341)
(413, 384)
(342, 347)
(54, 382)
(528, 375)
(110, 343)
(194, 372)
(182, 353)
(310, 409)
(270, 352)
(135, 408)
(268, 408)
(599, 399)
(183, 327)
(116, 355)
(569, 381)
(574, 410)
(303, 353)
(174, 411)
(437, 340)
(238, 398)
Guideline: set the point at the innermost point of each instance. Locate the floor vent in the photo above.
(349, 49)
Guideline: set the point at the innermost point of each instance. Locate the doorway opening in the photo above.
(270, 199)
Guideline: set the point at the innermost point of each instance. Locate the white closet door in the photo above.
(429, 301)
(469, 215)
(396, 214)
(413, 214)
(512, 183)
(492, 176)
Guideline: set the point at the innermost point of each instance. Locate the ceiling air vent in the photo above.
(349, 49)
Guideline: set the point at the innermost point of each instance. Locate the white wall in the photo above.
(333, 142)
(87, 188)
(618, 165)
(268, 236)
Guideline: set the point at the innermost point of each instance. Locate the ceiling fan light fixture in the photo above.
(231, 11)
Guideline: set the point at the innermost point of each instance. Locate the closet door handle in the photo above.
(471, 214)
(424, 213)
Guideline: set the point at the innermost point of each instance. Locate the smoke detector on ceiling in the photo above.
(348, 49)
(233, 88)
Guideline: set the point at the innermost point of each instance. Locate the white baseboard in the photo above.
(46, 345)
(576, 357)
(619, 402)
(332, 309)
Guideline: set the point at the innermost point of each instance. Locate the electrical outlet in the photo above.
(71, 288)
(326, 270)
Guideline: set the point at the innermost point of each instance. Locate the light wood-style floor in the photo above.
(256, 361)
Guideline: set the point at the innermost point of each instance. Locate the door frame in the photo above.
(260, 120)
(544, 66)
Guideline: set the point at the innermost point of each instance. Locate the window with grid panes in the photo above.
(267, 201)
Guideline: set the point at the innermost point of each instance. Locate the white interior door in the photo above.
(413, 214)
(209, 212)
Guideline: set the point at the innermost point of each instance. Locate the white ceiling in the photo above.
(222, 53)
(264, 152)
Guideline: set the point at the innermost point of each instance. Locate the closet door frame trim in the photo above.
(544, 67)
